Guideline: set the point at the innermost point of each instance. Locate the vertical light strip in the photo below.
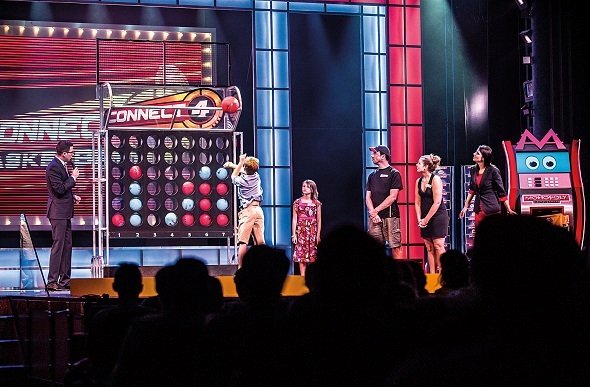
(374, 83)
(272, 118)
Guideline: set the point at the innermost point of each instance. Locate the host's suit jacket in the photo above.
(490, 191)
(60, 204)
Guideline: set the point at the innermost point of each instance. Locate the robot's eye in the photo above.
(532, 162)
(549, 162)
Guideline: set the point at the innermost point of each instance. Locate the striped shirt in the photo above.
(249, 188)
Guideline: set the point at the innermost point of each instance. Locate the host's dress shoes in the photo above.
(53, 287)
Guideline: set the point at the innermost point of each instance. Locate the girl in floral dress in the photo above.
(306, 225)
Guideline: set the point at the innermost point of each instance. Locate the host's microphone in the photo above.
(73, 168)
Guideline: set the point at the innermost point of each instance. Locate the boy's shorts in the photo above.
(251, 222)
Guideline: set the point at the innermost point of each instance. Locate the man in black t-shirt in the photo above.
(383, 186)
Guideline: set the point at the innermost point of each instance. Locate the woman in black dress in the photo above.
(431, 212)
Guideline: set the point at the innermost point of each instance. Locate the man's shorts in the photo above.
(388, 230)
(251, 221)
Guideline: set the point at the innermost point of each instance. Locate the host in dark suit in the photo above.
(60, 211)
(486, 185)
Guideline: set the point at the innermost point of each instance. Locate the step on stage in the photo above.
(80, 287)
(294, 284)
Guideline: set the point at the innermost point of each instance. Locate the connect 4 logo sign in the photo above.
(199, 109)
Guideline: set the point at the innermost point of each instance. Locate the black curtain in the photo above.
(326, 111)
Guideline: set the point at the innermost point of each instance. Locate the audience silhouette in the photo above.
(530, 290)
(517, 311)
(246, 344)
(454, 272)
(339, 335)
(165, 348)
(109, 326)
(163, 293)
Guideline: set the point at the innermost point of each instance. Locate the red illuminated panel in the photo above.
(398, 144)
(27, 143)
(23, 189)
(402, 196)
(413, 36)
(415, 105)
(363, 1)
(580, 209)
(414, 144)
(396, 68)
(187, 61)
(417, 252)
(412, 178)
(414, 233)
(65, 107)
(349, 1)
(404, 221)
(46, 62)
(397, 106)
(414, 65)
(512, 178)
(118, 62)
(396, 25)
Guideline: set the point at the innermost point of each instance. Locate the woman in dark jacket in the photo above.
(486, 186)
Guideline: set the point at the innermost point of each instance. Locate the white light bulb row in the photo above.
(39, 31)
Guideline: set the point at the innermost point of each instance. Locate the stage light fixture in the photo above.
(527, 90)
(526, 59)
(527, 36)
(522, 4)
(525, 10)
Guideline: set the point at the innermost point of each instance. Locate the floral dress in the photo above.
(306, 230)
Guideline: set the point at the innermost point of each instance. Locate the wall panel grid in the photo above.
(271, 32)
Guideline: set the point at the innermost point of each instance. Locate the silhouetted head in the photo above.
(263, 273)
(524, 260)
(350, 266)
(419, 275)
(214, 295)
(127, 281)
(189, 285)
(163, 285)
(454, 269)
